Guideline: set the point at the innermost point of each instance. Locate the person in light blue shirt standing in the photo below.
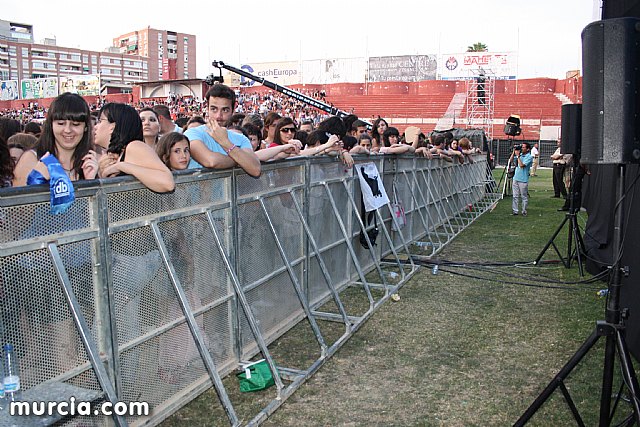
(522, 158)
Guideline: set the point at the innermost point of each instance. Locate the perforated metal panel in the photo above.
(338, 263)
(273, 177)
(259, 253)
(275, 305)
(329, 171)
(23, 222)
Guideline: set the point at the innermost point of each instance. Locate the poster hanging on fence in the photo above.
(8, 90)
(373, 192)
(40, 88)
(85, 85)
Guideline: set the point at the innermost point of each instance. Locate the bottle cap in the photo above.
(8, 347)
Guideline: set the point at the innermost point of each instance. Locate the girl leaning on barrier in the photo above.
(391, 143)
(379, 126)
(67, 136)
(187, 249)
(34, 298)
(119, 131)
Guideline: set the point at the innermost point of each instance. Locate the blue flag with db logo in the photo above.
(60, 185)
(62, 195)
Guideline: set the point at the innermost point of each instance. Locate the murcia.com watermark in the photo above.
(78, 408)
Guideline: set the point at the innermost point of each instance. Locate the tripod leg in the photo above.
(558, 379)
(578, 241)
(569, 242)
(607, 380)
(628, 373)
(572, 405)
(550, 242)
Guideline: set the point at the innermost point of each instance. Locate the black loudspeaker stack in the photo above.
(611, 104)
(571, 129)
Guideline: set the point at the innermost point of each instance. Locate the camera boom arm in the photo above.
(289, 92)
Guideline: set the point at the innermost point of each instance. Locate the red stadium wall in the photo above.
(388, 88)
(429, 87)
(343, 89)
(529, 86)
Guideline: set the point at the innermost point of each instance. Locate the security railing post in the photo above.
(244, 303)
(196, 334)
(85, 333)
(294, 279)
(104, 311)
(425, 173)
(323, 266)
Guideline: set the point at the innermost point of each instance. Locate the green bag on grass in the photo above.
(256, 376)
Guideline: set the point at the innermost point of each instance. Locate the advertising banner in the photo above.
(9, 90)
(282, 73)
(458, 66)
(85, 85)
(40, 88)
(406, 68)
(342, 70)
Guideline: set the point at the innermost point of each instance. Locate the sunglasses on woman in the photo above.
(291, 130)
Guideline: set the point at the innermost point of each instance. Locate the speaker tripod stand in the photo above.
(575, 244)
(613, 329)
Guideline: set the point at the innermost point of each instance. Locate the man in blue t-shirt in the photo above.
(212, 145)
(523, 160)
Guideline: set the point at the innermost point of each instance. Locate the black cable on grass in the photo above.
(493, 279)
(531, 285)
(540, 277)
(484, 267)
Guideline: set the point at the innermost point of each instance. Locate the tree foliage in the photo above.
(477, 47)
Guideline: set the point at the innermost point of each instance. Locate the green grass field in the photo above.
(471, 346)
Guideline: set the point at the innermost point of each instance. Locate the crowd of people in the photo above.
(151, 139)
(263, 103)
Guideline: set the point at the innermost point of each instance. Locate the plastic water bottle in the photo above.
(3, 404)
(435, 269)
(11, 373)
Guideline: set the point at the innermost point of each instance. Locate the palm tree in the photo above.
(477, 47)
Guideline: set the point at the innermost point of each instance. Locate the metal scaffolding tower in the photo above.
(481, 89)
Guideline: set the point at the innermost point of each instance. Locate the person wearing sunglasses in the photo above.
(284, 145)
(284, 132)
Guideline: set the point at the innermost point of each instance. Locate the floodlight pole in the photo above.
(613, 328)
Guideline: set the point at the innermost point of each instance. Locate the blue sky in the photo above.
(546, 33)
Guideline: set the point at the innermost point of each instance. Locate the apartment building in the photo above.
(146, 55)
(20, 61)
(171, 55)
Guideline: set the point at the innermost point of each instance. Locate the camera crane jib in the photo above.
(285, 90)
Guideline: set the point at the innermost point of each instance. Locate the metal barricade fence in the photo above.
(137, 296)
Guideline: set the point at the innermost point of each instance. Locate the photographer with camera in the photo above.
(523, 160)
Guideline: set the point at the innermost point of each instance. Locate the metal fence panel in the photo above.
(284, 244)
